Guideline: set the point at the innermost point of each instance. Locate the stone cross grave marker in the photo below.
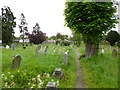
(66, 58)
(13, 47)
(51, 86)
(36, 51)
(114, 53)
(16, 62)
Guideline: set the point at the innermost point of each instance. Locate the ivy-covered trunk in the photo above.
(91, 49)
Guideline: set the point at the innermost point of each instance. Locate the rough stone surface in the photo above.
(16, 62)
(114, 53)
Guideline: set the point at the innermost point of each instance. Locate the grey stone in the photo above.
(13, 47)
(66, 58)
(37, 51)
(16, 62)
(114, 53)
(58, 73)
(51, 86)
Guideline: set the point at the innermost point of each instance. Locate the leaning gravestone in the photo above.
(16, 62)
(58, 73)
(114, 53)
(66, 58)
(13, 47)
(37, 51)
(45, 50)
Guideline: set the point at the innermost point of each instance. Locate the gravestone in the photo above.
(45, 50)
(7, 47)
(37, 51)
(51, 86)
(66, 58)
(114, 53)
(58, 73)
(16, 62)
(13, 47)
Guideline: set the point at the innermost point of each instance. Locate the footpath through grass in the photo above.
(101, 71)
(35, 72)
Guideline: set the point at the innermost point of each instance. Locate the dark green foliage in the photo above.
(0, 27)
(112, 37)
(65, 43)
(91, 19)
(8, 24)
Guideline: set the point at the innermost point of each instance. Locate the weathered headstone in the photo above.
(58, 73)
(51, 86)
(7, 47)
(114, 53)
(37, 51)
(39, 47)
(66, 58)
(45, 50)
(13, 47)
(16, 62)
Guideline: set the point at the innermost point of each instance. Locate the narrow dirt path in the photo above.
(79, 79)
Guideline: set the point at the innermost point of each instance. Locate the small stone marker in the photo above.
(45, 50)
(7, 47)
(58, 73)
(37, 51)
(51, 86)
(114, 53)
(66, 58)
(16, 62)
(13, 47)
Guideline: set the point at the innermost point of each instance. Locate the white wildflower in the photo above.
(28, 83)
(52, 80)
(34, 80)
(18, 71)
(5, 78)
(48, 75)
(38, 76)
(3, 74)
(8, 72)
(33, 85)
(12, 76)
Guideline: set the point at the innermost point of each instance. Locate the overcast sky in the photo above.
(48, 13)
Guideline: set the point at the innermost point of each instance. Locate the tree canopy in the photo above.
(90, 19)
(113, 37)
(8, 24)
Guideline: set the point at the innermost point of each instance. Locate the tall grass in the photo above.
(100, 71)
(31, 66)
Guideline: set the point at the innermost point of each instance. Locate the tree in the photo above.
(37, 36)
(112, 37)
(8, 24)
(0, 27)
(90, 19)
(23, 27)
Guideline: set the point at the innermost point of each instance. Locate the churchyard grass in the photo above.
(101, 71)
(36, 71)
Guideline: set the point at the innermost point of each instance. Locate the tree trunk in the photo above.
(91, 49)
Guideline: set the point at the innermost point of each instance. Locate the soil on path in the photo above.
(79, 79)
